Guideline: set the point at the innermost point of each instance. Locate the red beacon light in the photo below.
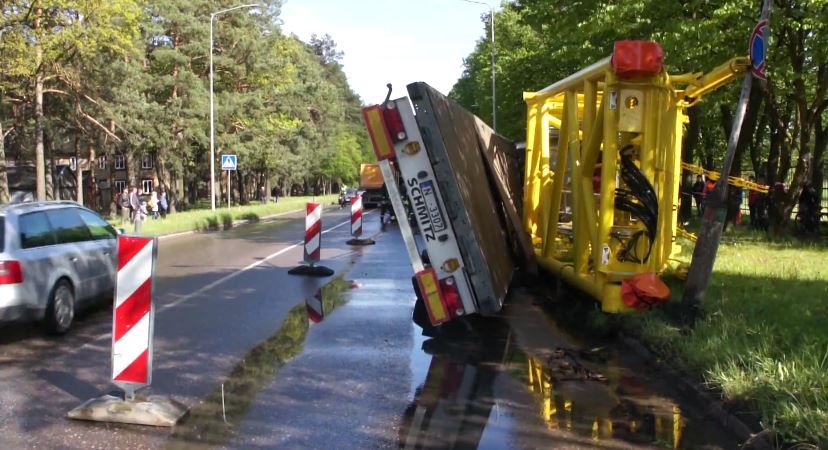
(637, 59)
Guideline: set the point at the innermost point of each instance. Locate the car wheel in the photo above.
(61, 309)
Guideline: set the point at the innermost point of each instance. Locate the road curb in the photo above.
(754, 440)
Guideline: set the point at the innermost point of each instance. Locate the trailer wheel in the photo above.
(420, 314)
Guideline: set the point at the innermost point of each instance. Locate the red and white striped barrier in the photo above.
(132, 324)
(313, 232)
(356, 216)
(314, 308)
(313, 244)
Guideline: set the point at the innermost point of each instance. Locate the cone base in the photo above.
(154, 410)
(311, 271)
(361, 241)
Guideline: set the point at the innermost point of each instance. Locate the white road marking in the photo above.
(108, 334)
(241, 271)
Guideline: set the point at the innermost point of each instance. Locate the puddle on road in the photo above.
(212, 421)
(490, 391)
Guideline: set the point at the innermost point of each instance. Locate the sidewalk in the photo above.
(353, 377)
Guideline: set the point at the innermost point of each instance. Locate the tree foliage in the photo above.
(131, 77)
(542, 41)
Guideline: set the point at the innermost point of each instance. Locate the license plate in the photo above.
(438, 222)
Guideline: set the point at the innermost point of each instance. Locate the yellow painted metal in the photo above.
(735, 181)
(577, 231)
(715, 79)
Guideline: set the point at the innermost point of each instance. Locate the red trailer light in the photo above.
(381, 140)
(451, 297)
(393, 121)
(10, 272)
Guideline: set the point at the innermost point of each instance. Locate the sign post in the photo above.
(228, 163)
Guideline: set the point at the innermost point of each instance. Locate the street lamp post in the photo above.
(212, 111)
(494, 98)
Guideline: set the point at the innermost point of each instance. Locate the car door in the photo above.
(38, 257)
(75, 244)
(104, 237)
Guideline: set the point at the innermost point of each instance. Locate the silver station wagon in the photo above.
(55, 257)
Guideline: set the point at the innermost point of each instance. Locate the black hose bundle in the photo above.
(640, 201)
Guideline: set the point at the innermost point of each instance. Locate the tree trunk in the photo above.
(756, 146)
(818, 170)
(689, 144)
(113, 207)
(5, 195)
(40, 160)
(49, 170)
(241, 187)
(78, 173)
(94, 201)
(132, 173)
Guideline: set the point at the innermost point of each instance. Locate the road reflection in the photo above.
(630, 414)
(475, 387)
(212, 421)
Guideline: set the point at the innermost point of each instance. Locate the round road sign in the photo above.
(759, 48)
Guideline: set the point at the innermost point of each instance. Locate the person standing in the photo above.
(163, 205)
(134, 203)
(140, 215)
(709, 186)
(753, 206)
(698, 194)
(123, 202)
(153, 205)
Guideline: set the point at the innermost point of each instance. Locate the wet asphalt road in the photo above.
(231, 319)
(217, 296)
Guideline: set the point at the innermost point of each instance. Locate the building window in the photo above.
(120, 185)
(102, 162)
(146, 186)
(146, 162)
(120, 162)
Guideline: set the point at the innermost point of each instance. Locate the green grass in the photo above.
(764, 336)
(204, 219)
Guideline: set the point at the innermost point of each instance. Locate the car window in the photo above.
(98, 227)
(35, 230)
(68, 225)
(2, 233)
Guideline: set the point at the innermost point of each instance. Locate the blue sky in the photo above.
(396, 41)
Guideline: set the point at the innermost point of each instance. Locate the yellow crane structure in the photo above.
(603, 169)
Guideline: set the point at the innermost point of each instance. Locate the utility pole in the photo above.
(492, 44)
(212, 109)
(715, 210)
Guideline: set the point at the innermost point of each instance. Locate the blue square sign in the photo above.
(228, 162)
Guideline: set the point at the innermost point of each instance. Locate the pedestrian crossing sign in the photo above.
(228, 162)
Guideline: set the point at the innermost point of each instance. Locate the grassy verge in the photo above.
(764, 338)
(223, 217)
